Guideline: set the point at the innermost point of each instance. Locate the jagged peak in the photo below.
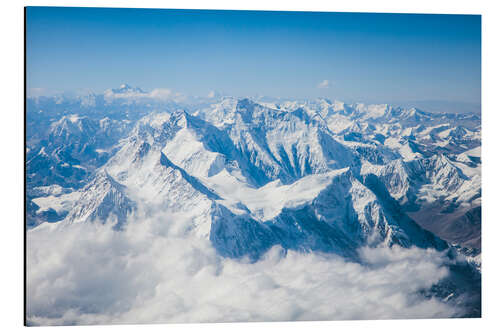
(73, 124)
(103, 178)
(126, 88)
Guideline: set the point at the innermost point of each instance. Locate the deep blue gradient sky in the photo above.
(365, 57)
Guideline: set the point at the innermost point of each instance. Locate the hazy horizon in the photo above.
(353, 57)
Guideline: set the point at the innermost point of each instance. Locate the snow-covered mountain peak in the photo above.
(125, 88)
(157, 128)
(103, 199)
(72, 125)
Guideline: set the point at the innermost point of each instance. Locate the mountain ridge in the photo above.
(388, 151)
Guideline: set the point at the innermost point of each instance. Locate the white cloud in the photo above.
(154, 272)
(38, 92)
(161, 93)
(324, 84)
(157, 94)
(35, 92)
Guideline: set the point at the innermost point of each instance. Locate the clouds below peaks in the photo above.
(158, 94)
(157, 272)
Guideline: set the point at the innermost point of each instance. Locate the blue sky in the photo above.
(348, 56)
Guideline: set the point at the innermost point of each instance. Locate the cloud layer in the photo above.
(158, 94)
(156, 272)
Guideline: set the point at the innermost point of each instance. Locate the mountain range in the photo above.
(248, 174)
(356, 173)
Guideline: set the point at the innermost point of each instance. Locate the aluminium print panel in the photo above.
(256, 166)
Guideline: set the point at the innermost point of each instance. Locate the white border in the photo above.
(11, 108)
